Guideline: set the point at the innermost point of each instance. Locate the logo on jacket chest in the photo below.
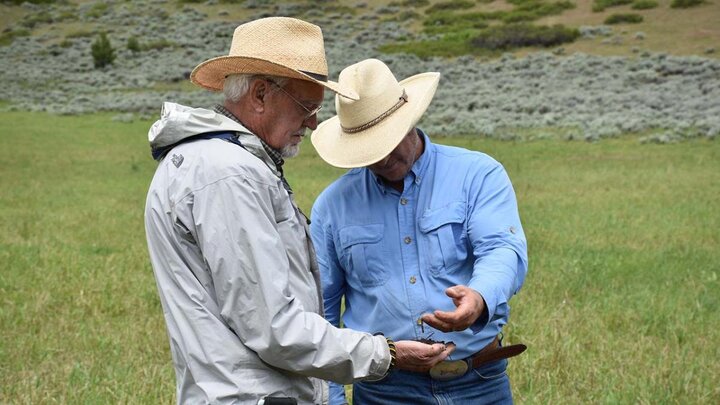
(177, 160)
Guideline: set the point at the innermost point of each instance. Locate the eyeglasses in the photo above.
(310, 112)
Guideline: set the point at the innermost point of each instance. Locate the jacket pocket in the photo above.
(362, 254)
(444, 230)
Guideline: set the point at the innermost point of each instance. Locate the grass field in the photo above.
(621, 304)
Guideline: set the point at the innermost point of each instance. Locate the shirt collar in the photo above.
(421, 165)
(272, 152)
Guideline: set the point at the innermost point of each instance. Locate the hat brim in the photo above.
(361, 149)
(212, 73)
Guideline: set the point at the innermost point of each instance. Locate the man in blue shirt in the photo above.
(423, 241)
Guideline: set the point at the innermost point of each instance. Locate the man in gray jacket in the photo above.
(230, 250)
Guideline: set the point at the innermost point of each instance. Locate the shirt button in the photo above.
(412, 279)
(408, 240)
(403, 201)
(512, 230)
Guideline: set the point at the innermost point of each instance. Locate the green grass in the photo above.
(621, 304)
(80, 318)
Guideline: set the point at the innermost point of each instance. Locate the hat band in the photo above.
(316, 76)
(403, 99)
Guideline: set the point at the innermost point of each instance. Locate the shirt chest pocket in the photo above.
(362, 254)
(445, 237)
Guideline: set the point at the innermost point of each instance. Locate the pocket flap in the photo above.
(453, 213)
(354, 234)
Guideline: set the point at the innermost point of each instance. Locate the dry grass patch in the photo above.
(10, 15)
(675, 31)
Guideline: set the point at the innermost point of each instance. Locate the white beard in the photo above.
(290, 150)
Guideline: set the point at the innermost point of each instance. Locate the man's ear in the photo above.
(258, 92)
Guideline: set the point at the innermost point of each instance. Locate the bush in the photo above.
(133, 45)
(410, 3)
(533, 10)
(644, 4)
(403, 16)
(97, 10)
(628, 18)
(157, 45)
(102, 51)
(520, 35)
(450, 6)
(19, 2)
(447, 22)
(32, 20)
(686, 3)
(7, 37)
(601, 5)
(79, 34)
(524, 11)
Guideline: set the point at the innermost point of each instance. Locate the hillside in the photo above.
(659, 77)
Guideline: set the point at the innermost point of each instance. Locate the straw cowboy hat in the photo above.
(366, 130)
(275, 46)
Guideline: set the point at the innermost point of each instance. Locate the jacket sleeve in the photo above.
(498, 241)
(237, 232)
(333, 279)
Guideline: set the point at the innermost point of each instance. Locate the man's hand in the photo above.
(416, 356)
(469, 307)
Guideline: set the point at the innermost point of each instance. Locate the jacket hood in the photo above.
(178, 122)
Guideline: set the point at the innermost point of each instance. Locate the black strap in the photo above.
(232, 137)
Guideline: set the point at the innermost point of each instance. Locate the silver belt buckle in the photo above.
(447, 370)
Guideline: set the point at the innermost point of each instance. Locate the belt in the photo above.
(449, 369)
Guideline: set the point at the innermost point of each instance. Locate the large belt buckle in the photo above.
(447, 370)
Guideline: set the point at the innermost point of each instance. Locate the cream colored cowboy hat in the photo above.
(275, 46)
(366, 130)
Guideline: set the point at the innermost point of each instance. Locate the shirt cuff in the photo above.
(494, 278)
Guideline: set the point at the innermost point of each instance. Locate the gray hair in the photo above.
(236, 85)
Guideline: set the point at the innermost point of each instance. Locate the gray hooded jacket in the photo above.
(237, 275)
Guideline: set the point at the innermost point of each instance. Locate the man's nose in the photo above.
(311, 121)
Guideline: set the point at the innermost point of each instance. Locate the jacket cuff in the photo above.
(382, 353)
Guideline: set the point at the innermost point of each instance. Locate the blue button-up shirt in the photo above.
(393, 254)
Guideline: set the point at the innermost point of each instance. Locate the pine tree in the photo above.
(102, 51)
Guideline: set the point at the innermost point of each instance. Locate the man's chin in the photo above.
(290, 151)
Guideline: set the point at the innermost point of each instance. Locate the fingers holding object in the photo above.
(418, 356)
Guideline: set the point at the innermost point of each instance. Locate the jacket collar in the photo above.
(271, 152)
